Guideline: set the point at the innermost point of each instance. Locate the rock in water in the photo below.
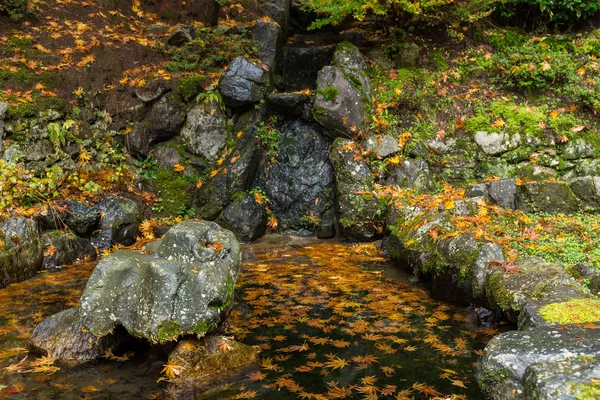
(211, 361)
(358, 211)
(21, 256)
(65, 248)
(185, 286)
(246, 218)
(299, 183)
(62, 337)
(120, 222)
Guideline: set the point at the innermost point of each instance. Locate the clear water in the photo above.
(333, 321)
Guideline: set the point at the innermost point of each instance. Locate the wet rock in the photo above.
(185, 286)
(382, 146)
(73, 215)
(488, 254)
(494, 143)
(269, 42)
(411, 174)
(300, 182)
(408, 57)
(205, 131)
(63, 337)
(343, 102)
(278, 11)
(204, 364)
(504, 193)
(587, 189)
(326, 229)
(179, 37)
(288, 104)
(513, 361)
(162, 122)
(552, 197)
(239, 170)
(65, 249)
(532, 279)
(21, 256)
(246, 218)
(578, 149)
(244, 83)
(120, 222)
(358, 213)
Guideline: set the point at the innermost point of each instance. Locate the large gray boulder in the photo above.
(21, 253)
(205, 131)
(269, 42)
(494, 143)
(120, 222)
(343, 103)
(185, 286)
(359, 212)
(504, 192)
(551, 197)
(300, 181)
(244, 83)
(63, 337)
(540, 363)
(278, 11)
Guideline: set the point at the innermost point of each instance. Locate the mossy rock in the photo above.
(552, 197)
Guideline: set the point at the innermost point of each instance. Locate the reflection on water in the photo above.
(330, 323)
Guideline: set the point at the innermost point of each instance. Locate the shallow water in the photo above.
(333, 320)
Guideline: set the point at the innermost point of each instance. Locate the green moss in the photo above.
(189, 87)
(589, 391)
(168, 330)
(330, 93)
(489, 380)
(438, 60)
(578, 311)
(201, 327)
(173, 188)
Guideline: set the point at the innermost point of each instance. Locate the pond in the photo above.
(333, 320)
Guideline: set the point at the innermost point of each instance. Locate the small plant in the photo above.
(185, 212)
(146, 168)
(15, 9)
(311, 219)
(60, 134)
(269, 137)
(330, 93)
(211, 97)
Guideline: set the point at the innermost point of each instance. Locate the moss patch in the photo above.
(587, 391)
(577, 311)
(173, 190)
(168, 330)
(200, 328)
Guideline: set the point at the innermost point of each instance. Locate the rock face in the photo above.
(246, 218)
(343, 102)
(358, 212)
(238, 170)
(21, 256)
(299, 183)
(269, 40)
(65, 249)
(120, 222)
(205, 131)
(244, 83)
(162, 122)
(185, 286)
(63, 337)
(540, 363)
(77, 216)
(204, 364)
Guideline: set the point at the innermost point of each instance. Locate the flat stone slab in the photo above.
(532, 364)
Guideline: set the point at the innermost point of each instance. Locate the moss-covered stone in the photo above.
(578, 311)
(168, 330)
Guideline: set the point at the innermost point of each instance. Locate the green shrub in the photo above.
(549, 11)
(14, 8)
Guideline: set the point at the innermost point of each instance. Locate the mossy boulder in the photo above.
(587, 190)
(514, 363)
(552, 197)
(21, 255)
(65, 248)
(530, 278)
(185, 283)
(343, 103)
(359, 212)
(561, 305)
(205, 131)
(213, 360)
(62, 336)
